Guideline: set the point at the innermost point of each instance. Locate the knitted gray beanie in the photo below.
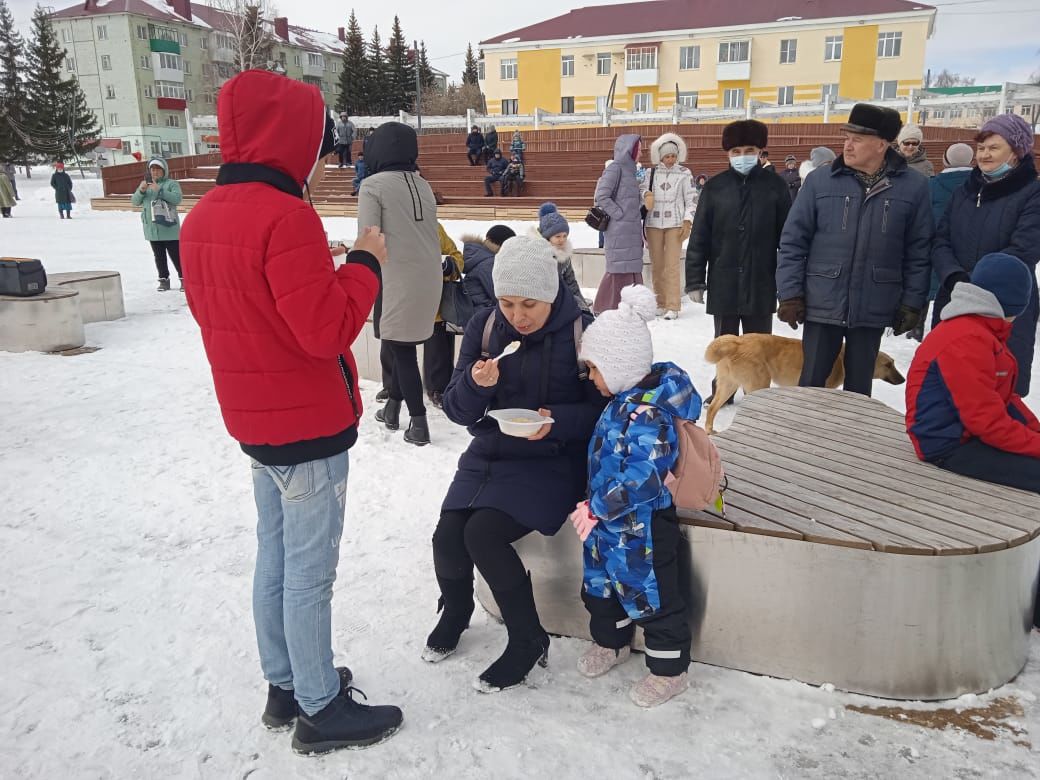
(526, 268)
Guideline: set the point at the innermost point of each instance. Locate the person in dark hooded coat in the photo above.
(506, 486)
(478, 257)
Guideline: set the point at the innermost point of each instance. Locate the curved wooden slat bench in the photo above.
(53, 321)
(841, 559)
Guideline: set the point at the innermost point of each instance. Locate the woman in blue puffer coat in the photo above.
(506, 487)
(997, 210)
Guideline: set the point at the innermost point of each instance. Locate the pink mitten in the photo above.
(583, 520)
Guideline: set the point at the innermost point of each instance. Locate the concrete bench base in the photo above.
(53, 322)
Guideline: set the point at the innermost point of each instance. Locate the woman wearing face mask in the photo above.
(996, 210)
(669, 198)
(506, 487)
(736, 232)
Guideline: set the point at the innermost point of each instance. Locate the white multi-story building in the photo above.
(147, 66)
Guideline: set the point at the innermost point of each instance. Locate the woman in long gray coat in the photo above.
(401, 204)
(617, 193)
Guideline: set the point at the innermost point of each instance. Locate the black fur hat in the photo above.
(868, 119)
(745, 132)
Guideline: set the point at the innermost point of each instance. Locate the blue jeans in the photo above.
(299, 524)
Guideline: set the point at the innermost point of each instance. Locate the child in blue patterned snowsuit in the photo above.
(631, 553)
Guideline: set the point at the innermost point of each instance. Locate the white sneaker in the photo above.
(671, 315)
(653, 690)
(661, 312)
(597, 660)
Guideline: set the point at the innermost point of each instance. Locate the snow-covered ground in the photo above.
(126, 533)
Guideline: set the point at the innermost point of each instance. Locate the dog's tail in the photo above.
(722, 347)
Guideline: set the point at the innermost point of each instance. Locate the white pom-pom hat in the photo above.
(618, 343)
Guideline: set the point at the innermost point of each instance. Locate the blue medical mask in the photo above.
(744, 163)
(998, 172)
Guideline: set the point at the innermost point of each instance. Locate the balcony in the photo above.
(224, 54)
(733, 71)
(166, 74)
(171, 104)
(645, 77)
(314, 69)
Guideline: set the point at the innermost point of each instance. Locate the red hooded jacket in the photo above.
(961, 384)
(277, 318)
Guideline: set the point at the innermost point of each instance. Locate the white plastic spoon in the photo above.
(511, 347)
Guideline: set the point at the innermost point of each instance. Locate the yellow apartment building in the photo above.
(708, 54)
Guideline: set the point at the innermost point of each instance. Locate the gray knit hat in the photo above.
(821, 155)
(551, 221)
(959, 156)
(525, 267)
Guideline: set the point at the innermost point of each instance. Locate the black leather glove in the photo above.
(792, 311)
(906, 320)
(952, 279)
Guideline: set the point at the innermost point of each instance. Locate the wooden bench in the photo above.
(53, 321)
(841, 557)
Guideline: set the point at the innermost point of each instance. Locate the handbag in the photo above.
(597, 218)
(163, 213)
(22, 277)
(456, 307)
(72, 197)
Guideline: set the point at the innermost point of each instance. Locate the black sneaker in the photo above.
(382, 395)
(282, 708)
(345, 724)
(164, 285)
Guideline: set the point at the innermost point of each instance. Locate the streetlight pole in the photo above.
(418, 89)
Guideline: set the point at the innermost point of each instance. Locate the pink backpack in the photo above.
(697, 480)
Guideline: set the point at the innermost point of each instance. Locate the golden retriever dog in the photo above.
(754, 361)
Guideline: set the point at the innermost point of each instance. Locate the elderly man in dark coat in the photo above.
(854, 255)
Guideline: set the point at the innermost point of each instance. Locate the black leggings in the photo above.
(160, 249)
(484, 537)
(405, 381)
(438, 359)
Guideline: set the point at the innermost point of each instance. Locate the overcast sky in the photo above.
(993, 40)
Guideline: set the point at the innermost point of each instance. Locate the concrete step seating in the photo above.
(53, 321)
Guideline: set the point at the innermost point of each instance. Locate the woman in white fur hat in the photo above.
(670, 198)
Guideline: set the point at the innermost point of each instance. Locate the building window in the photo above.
(889, 44)
(643, 102)
(785, 96)
(735, 51)
(126, 147)
(184, 40)
(189, 95)
(335, 67)
(204, 42)
(885, 90)
(603, 63)
(567, 65)
(70, 64)
(106, 62)
(956, 113)
(151, 119)
(66, 35)
(601, 104)
(149, 91)
(187, 67)
(113, 119)
(156, 149)
(507, 70)
(146, 61)
(206, 69)
(175, 147)
(689, 57)
(510, 107)
(788, 51)
(687, 99)
(169, 61)
(142, 32)
(733, 98)
(102, 32)
(173, 120)
(315, 60)
(480, 70)
(110, 92)
(829, 91)
(169, 89)
(642, 58)
(939, 114)
(832, 48)
(297, 61)
(566, 105)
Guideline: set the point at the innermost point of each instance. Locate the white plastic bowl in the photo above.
(519, 422)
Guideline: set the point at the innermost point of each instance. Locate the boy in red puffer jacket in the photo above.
(278, 319)
(962, 412)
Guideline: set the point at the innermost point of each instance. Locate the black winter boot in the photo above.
(418, 432)
(282, 708)
(390, 415)
(528, 643)
(345, 723)
(456, 608)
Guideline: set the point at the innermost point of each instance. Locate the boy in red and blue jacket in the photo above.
(962, 412)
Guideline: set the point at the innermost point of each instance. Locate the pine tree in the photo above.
(469, 75)
(353, 77)
(377, 91)
(12, 89)
(400, 72)
(56, 107)
(425, 70)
